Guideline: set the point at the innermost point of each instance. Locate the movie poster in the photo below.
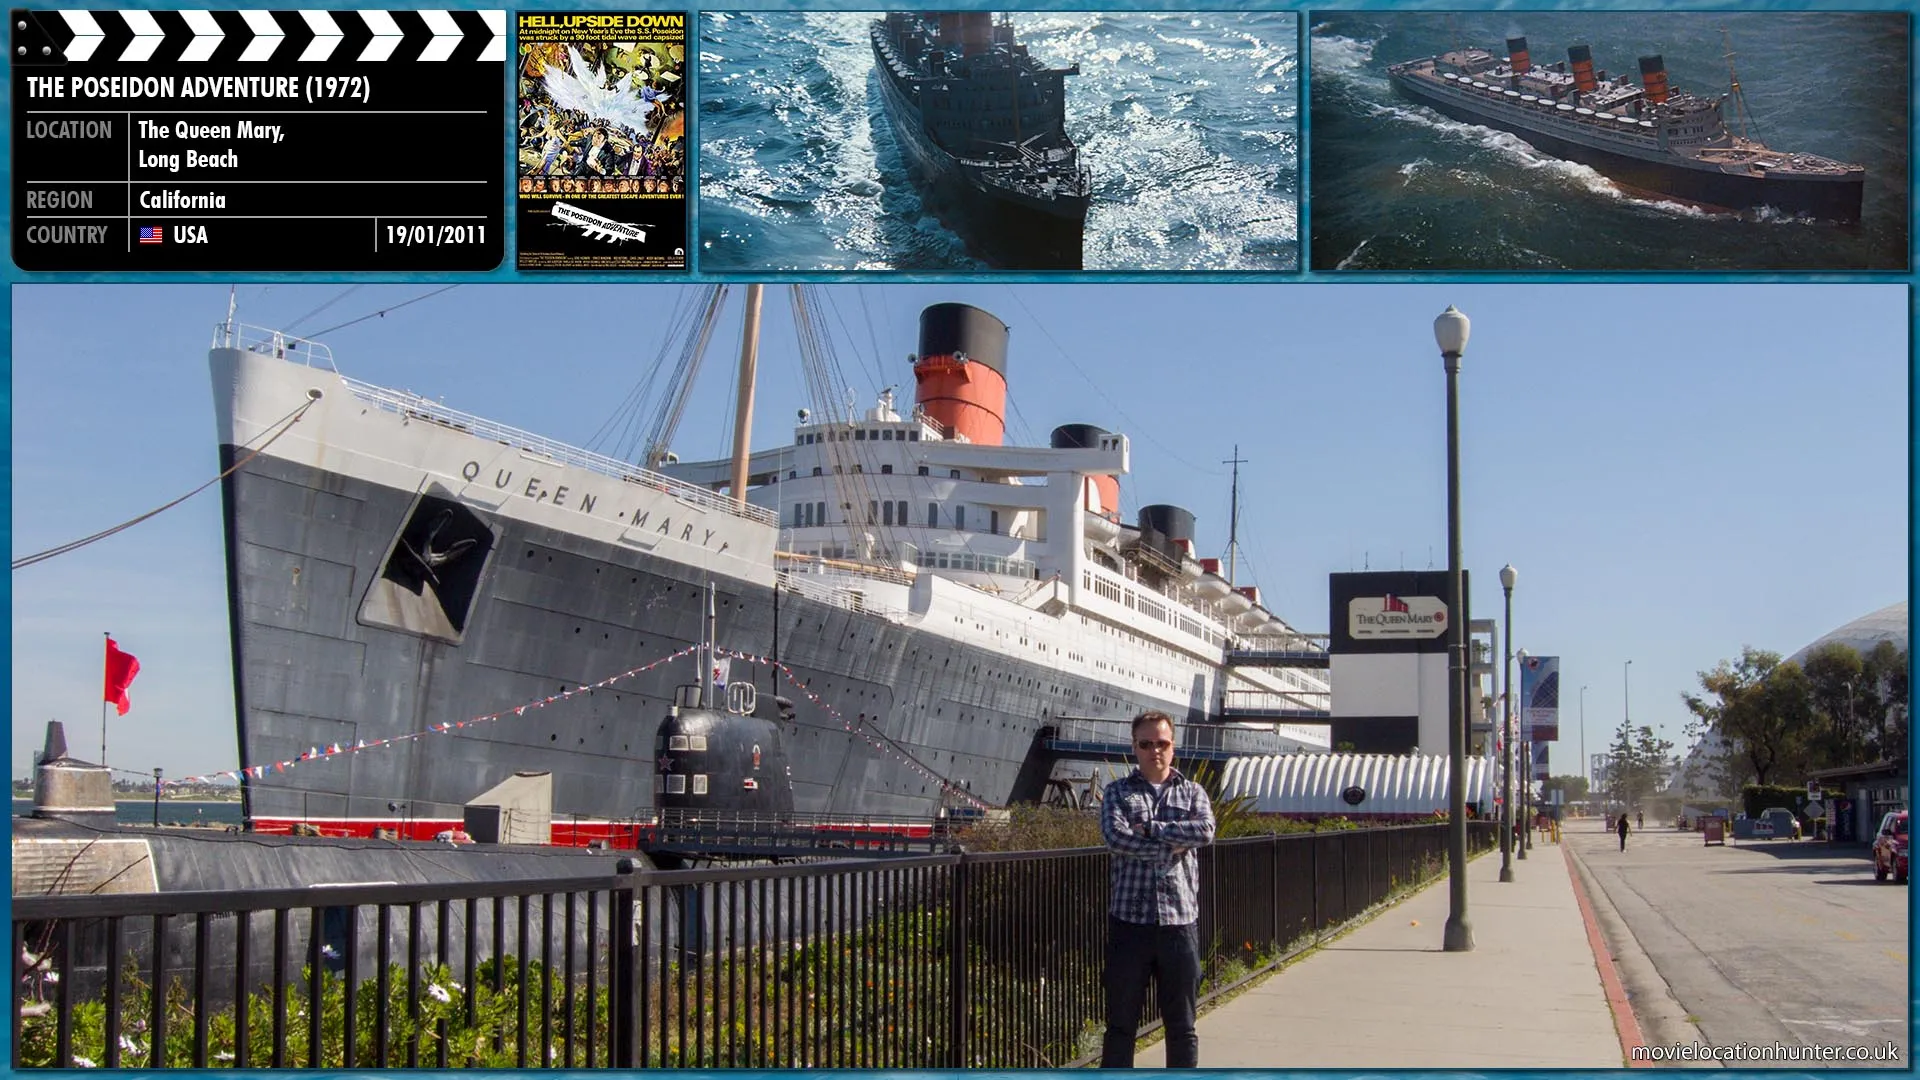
(602, 141)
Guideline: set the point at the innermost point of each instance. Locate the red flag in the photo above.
(121, 668)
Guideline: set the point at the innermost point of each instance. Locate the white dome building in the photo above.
(1862, 634)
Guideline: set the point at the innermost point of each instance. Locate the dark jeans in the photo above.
(1172, 955)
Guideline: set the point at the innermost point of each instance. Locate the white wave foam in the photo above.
(1336, 55)
(1348, 262)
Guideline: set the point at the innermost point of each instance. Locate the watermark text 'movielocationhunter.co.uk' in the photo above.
(1765, 1052)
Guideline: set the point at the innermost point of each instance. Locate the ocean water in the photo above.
(1189, 120)
(172, 811)
(1397, 186)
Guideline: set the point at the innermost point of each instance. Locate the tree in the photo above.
(1637, 764)
(1574, 786)
(1884, 673)
(1760, 707)
(1843, 714)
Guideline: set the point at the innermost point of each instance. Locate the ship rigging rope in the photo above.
(284, 424)
(873, 736)
(861, 727)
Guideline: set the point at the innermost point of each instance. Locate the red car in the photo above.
(1890, 848)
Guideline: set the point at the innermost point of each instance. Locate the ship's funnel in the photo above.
(1173, 522)
(1102, 496)
(1581, 57)
(1653, 76)
(1517, 55)
(976, 32)
(947, 26)
(960, 376)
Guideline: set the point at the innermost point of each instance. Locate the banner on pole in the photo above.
(1540, 698)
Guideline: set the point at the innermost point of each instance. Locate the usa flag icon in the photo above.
(151, 234)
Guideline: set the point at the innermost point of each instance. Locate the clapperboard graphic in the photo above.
(258, 140)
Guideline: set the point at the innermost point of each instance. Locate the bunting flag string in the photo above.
(332, 750)
(883, 744)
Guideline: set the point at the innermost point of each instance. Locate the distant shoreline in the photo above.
(167, 797)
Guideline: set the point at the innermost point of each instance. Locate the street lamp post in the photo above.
(1626, 710)
(1526, 781)
(1586, 770)
(1508, 576)
(1450, 333)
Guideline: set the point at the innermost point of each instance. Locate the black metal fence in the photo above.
(988, 960)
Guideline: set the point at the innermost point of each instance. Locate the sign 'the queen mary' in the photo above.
(1376, 617)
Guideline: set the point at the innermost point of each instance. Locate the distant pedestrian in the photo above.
(1639, 819)
(1622, 830)
(1152, 821)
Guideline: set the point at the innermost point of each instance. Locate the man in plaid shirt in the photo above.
(1153, 820)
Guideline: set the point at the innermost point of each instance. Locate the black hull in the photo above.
(999, 226)
(1837, 199)
(555, 611)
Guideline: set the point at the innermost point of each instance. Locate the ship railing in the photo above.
(1262, 701)
(799, 562)
(839, 596)
(905, 960)
(416, 407)
(274, 343)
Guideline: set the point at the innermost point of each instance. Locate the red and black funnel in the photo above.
(1653, 76)
(1517, 55)
(1581, 57)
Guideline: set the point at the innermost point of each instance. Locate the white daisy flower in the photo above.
(83, 1063)
(439, 993)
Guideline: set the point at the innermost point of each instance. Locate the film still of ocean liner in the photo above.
(1647, 135)
(981, 123)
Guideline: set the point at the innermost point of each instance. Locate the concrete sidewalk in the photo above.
(1529, 994)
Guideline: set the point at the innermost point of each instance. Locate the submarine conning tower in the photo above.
(960, 373)
(1517, 55)
(1653, 76)
(1103, 488)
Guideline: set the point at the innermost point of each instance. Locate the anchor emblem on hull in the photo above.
(429, 558)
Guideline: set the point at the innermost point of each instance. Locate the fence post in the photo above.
(1313, 875)
(623, 976)
(1273, 894)
(957, 989)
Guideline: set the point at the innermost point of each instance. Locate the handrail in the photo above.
(410, 404)
(281, 346)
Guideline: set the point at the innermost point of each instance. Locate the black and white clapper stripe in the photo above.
(275, 36)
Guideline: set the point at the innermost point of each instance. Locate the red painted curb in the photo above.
(1623, 1021)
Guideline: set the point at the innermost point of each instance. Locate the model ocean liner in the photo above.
(982, 125)
(943, 608)
(1647, 136)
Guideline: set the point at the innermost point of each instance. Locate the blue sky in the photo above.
(1675, 470)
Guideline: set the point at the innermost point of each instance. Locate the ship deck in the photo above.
(1609, 130)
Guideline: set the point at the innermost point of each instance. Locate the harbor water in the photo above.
(1398, 186)
(172, 811)
(1188, 120)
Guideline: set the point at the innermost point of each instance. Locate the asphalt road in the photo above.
(1757, 943)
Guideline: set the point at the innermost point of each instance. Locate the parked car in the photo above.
(1784, 823)
(1890, 847)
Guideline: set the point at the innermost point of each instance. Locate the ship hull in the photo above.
(556, 612)
(1836, 198)
(1002, 227)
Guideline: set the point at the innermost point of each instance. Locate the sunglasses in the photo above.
(1154, 744)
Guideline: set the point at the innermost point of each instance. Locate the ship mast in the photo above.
(743, 408)
(1233, 525)
(1733, 81)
